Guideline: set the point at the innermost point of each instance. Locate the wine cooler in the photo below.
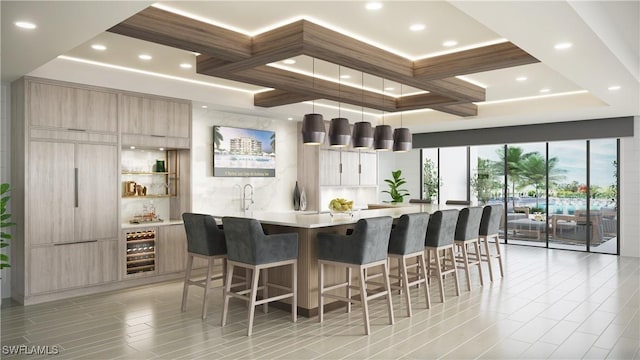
(141, 251)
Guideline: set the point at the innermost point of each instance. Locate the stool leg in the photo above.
(465, 260)
(499, 255)
(405, 284)
(485, 243)
(363, 299)
(265, 289)
(227, 290)
(294, 287)
(252, 300)
(476, 245)
(187, 278)
(423, 266)
(320, 291)
(207, 285)
(385, 275)
(455, 271)
(439, 274)
(349, 275)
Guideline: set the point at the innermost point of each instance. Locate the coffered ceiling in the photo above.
(503, 68)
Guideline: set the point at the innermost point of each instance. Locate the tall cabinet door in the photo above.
(368, 168)
(350, 169)
(329, 167)
(51, 192)
(97, 211)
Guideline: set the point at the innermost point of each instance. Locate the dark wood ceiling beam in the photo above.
(277, 97)
(170, 29)
(421, 101)
(464, 110)
(486, 58)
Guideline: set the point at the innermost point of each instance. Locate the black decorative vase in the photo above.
(296, 197)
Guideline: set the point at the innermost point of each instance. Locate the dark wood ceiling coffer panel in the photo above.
(238, 57)
(166, 28)
(486, 58)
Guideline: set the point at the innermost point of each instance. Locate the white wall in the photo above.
(409, 163)
(223, 194)
(630, 193)
(5, 170)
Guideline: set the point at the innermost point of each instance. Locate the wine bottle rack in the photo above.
(141, 251)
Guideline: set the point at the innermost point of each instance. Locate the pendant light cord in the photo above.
(339, 89)
(313, 72)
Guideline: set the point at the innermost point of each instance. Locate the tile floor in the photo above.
(551, 304)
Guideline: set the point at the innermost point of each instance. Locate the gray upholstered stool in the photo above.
(365, 248)
(489, 227)
(441, 258)
(466, 237)
(248, 247)
(204, 240)
(406, 242)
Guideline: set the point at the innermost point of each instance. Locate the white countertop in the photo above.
(315, 220)
(151, 224)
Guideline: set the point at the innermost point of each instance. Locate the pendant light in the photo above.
(362, 132)
(313, 130)
(339, 130)
(402, 140)
(383, 135)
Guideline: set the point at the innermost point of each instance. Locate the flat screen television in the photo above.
(240, 152)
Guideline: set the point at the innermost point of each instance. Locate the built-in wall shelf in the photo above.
(148, 196)
(146, 173)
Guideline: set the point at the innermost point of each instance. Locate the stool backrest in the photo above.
(468, 225)
(490, 222)
(441, 228)
(203, 235)
(408, 235)
(371, 239)
(242, 235)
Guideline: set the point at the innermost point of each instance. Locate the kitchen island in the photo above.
(307, 226)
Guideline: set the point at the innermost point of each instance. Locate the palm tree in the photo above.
(534, 171)
(514, 159)
(273, 142)
(217, 137)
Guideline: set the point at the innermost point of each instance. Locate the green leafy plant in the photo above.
(397, 194)
(5, 222)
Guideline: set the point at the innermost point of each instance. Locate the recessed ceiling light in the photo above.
(195, 53)
(614, 87)
(186, 66)
(374, 5)
(161, 149)
(521, 78)
(25, 25)
(132, 147)
(417, 27)
(450, 43)
(345, 76)
(145, 57)
(289, 61)
(98, 47)
(545, 90)
(563, 46)
(204, 106)
(290, 118)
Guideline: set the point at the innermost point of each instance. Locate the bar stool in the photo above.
(466, 235)
(405, 242)
(489, 228)
(365, 248)
(439, 245)
(249, 248)
(204, 240)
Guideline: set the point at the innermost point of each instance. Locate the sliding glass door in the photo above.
(603, 195)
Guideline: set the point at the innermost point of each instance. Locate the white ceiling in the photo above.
(605, 52)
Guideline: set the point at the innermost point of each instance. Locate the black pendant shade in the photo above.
(402, 141)
(383, 138)
(313, 131)
(362, 135)
(339, 132)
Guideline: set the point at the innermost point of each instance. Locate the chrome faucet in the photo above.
(245, 198)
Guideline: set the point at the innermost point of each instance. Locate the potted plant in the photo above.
(5, 222)
(397, 194)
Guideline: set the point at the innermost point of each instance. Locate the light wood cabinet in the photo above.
(74, 189)
(66, 266)
(350, 169)
(368, 169)
(172, 250)
(329, 164)
(154, 116)
(54, 105)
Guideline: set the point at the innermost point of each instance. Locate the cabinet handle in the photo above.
(340, 168)
(75, 242)
(160, 136)
(75, 186)
(74, 129)
(359, 168)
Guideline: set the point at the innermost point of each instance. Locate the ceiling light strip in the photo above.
(341, 108)
(151, 73)
(535, 97)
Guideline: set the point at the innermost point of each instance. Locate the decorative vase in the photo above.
(160, 166)
(303, 200)
(296, 197)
